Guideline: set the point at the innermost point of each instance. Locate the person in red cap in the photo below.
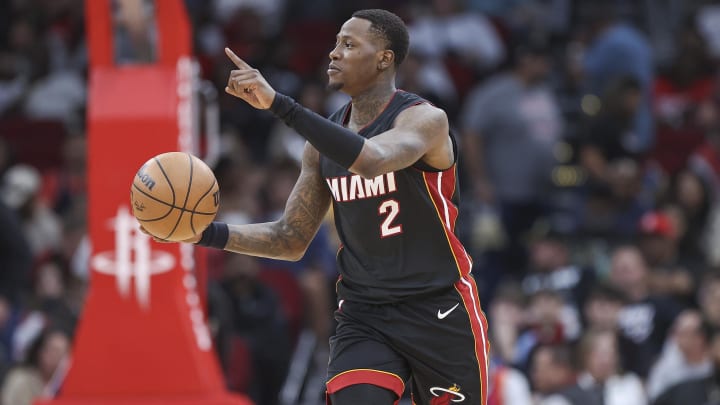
(658, 241)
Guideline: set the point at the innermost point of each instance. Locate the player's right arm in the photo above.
(288, 237)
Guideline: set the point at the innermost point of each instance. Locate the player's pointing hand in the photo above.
(248, 84)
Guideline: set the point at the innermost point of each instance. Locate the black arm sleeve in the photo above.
(332, 140)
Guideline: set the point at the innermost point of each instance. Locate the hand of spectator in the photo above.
(194, 239)
(248, 84)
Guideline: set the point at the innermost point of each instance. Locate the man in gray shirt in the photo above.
(510, 125)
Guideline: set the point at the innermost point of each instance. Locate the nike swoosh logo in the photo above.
(442, 315)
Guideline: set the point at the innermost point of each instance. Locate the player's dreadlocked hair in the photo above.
(391, 28)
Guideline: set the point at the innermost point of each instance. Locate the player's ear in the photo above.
(387, 59)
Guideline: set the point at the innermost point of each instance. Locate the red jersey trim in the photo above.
(440, 186)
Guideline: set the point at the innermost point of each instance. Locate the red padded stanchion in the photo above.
(143, 337)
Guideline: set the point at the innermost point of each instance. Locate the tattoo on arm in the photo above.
(288, 237)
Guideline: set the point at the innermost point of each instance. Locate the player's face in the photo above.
(354, 60)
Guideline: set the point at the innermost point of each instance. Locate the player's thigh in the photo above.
(359, 355)
(363, 394)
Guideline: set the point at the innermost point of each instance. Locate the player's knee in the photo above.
(363, 394)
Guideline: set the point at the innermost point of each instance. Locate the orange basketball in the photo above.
(175, 196)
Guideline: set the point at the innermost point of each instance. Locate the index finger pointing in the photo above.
(236, 59)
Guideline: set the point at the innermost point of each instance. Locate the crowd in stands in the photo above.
(590, 180)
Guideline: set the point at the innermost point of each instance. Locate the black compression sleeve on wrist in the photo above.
(332, 140)
(215, 235)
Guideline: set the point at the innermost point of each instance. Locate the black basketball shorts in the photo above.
(437, 343)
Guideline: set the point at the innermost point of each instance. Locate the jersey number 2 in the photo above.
(392, 209)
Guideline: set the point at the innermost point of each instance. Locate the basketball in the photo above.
(174, 196)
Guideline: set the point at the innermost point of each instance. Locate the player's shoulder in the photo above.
(422, 113)
(411, 100)
(408, 98)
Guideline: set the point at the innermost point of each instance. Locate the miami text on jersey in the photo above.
(354, 187)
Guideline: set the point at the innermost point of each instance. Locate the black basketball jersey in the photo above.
(396, 230)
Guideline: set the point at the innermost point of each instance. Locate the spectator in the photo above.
(419, 74)
(15, 256)
(59, 96)
(659, 244)
(27, 49)
(65, 37)
(646, 318)
(706, 18)
(40, 375)
(613, 211)
(702, 391)
(65, 188)
(678, 93)
(450, 30)
(51, 295)
(135, 32)
(602, 308)
(13, 82)
(507, 317)
(258, 318)
(510, 124)
(543, 325)
(601, 381)
(551, 269)
(611, 41)
(41, 227)
(705, 160)
(690, 203)
(608, 138)
(269, 14)
(617, 194)
(508, 386)
(551, 371)
(709, 299)
(686, 355)
(551, 15)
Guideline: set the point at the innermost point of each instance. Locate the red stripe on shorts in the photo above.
(382, 379)
(467, 289)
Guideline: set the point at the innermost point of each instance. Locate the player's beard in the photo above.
(337, 86)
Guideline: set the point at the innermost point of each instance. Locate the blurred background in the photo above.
(590, 175)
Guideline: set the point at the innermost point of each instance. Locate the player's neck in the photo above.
(369, 104)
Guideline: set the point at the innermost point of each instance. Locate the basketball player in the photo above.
(408, 307)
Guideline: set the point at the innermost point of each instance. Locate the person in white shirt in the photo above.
(508, 386)
(686, 354)
(601, 382)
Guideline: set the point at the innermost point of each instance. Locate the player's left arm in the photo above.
(420, 131)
